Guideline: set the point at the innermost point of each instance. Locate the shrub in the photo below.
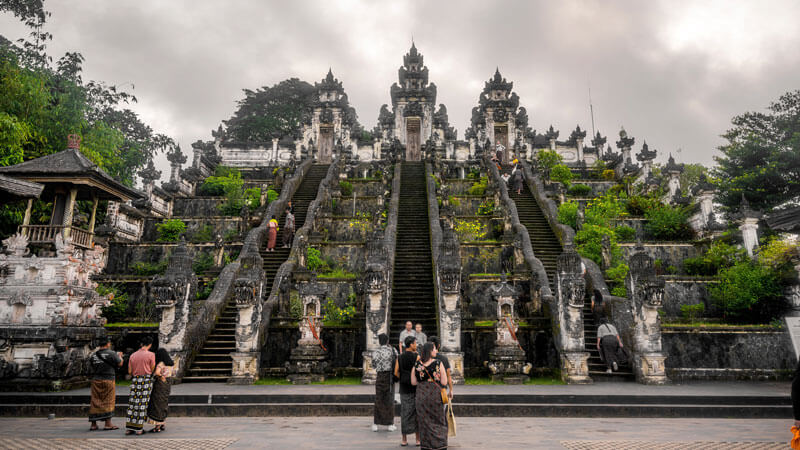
(314, 259)
(454, 202)
(778, 255)
(568, 213)
(637, 205)
(589, 240)
(117, 310)
(474, 173)
(295, 306)
(719, 256)
(253, 197)
(203, 262)
(346, 188)
(170, 230)
(479, 187)
(668, 223)
(602, 210)
(562, 174)
(625, 233)
(748, 292)
(691, 313)
(486, 208)
(230, 235)
(272, 195)
(142, 268)
(549, 159)
(609, 175)
(334, 314)
(618, 273)
(469, 230)
(204, 293)
(219, 182)
(579, 190)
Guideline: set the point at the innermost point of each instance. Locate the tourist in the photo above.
(272, 234)
(288, 229)
(795, 395)
(104, 363)
(445, 362)
(408, 331)
(159, 399)
(408, 408)
(140, 367)
(421, 337)
(608, 343)
(506, 177)
(427, 376)
(383, 360)
(517, 179)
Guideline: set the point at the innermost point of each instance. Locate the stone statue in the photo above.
(605, 252)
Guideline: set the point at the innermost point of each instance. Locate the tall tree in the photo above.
(762, 157)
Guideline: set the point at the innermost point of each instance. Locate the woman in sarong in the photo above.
(383, 360)
(427, 376)
(517, 179)
(140, 366)
(158, 407)
(272, 234)
(104, 364)
(408, 408)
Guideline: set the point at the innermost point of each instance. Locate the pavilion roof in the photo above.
(71, 167)
(15, 189)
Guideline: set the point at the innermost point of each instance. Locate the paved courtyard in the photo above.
(355, 433)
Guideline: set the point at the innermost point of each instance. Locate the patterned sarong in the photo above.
(103, 400)
(408, 413)
(139, 398)
(384, 399)
(430, 416)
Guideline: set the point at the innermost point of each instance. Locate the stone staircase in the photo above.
(546, 247)
(213, 362)
(412, 291)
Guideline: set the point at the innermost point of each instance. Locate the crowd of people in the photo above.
(426, 387)
(148, 401)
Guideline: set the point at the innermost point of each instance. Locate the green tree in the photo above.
(762, 156)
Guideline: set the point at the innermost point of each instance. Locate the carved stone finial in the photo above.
(16, 245)
(74, 141)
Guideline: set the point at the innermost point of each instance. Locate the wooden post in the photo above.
(68, 211)
(27, 219)
(95, 200)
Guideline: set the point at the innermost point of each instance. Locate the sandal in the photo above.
(129, 432)
(93, 428)
(156, 429)
(110, 428)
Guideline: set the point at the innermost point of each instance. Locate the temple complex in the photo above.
(407, 222)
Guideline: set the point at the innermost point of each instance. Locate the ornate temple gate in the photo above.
(412, 139)
(325, 155)
(501, 137)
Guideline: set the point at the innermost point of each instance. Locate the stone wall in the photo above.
(224, 226)
(481, 258)
(670, 254)
(681, 291)
(197, 206)
(348, 256)
(728, 354)
(122, 257)
(344, 344)
(370, 204)
(478, 302)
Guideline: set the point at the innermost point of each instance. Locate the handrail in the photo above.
(47, 234)
(536, 266)
(436, 238)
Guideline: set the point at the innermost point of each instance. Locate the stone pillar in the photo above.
(674, 184)
(579, 145)
(248, 293)
(375, 281)
(793, 293)
(749, 229)
(93, 218)
(27, 219)
(68, 211)
(507, 360)
(570, 291)
(471, 148)
(449, 279)
(173, 293)
(553, 144)
(646, 292)
(274, 153)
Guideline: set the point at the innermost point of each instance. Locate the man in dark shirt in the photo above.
(796, 396)
(402, 370)
(445, 363)
(104, 364)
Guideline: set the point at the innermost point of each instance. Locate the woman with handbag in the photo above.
(158, 408)
(428, 376)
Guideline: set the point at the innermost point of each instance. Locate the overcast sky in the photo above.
(672, 73)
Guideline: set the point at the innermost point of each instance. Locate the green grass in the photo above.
(123, 382)
(485, 323)
(338, 273)
(131, 324)
(480, 381)
(272, 381)
(760, 326)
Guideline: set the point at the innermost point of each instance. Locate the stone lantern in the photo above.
(307, 362)
(674, 172)
(507, 360)
(624, 144)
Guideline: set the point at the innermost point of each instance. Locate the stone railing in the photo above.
(540, 284)
(203, 318)
(378, 278)
(445, 250)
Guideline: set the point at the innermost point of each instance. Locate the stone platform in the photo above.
(695, 400)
